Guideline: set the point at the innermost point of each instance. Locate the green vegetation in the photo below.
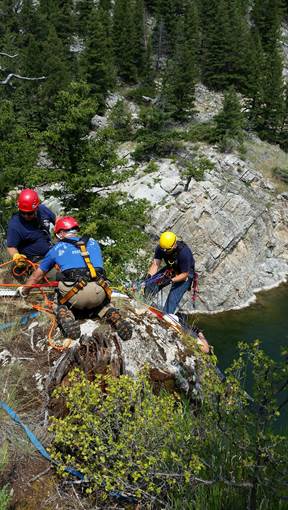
(197, 167)
(4, 498)
(220, 452)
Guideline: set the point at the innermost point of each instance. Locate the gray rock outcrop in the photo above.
(234, 219)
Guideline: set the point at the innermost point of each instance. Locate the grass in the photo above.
(266, 157)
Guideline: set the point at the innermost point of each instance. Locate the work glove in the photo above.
(18, 258)
(22, 292)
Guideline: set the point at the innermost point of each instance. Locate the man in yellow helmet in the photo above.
(179, 270)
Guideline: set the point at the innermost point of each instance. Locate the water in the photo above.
(266, 320)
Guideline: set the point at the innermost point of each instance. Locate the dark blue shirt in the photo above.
(68, 256)
(31, 238)
(181, 259)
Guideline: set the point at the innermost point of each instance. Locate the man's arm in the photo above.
(154, 267)
(35, 277)
(11, 251)
(182, 277)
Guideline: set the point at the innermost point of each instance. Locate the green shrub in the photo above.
(281, 173)
(201, 133)
(151, 167)
(197, 167)
(5, 498)
(171, 454)
(120, 120)
(121, 439)
(156, 145)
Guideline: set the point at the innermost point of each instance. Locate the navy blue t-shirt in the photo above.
(31, 238)
(181, 259)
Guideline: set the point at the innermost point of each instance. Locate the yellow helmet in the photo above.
(167, 241)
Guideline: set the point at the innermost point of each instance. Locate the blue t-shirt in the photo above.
(31, 238)
(68, 256)
(181, 259)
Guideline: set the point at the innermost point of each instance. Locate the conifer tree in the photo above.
(229, 121)
(97, 59)
(139, 36)
(216, 44)
(149, 68)
(123, 36)
(55, 67)
(178, 89)
(256, 80)
(105, 4)
(192, 30)
(8, 18)
(84, 8)
(267, 17)
(274, 105)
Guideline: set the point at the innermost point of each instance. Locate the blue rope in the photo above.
(34, 439)
(22, 321)
(114, 494)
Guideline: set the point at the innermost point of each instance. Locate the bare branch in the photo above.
(3, 54)
(19, 77)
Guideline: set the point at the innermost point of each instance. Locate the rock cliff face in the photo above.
(234, 219)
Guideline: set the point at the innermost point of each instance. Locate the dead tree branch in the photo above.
(3, 54)
(19, 77)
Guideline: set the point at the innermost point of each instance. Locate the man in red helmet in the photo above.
(28, 235)
(82, 284)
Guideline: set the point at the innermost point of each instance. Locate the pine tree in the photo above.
(55, 67)
(267, 17)
(97, 59)
(273, 112)
(216, 44)
(229, 121)
(84, 8)
(255, 82)
(139, 37)
(123, 36)
(8, 18)
(149, 68)
(178, 92)
(192, 30)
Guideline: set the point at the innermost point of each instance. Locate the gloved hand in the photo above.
(22, 292)
(18, 258)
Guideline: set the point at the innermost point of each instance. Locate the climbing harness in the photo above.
(82, 280)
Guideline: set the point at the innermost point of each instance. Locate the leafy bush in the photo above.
(137, 435)
(223, 453)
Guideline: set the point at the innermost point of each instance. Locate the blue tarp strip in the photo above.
(114, 494)
(22, 321)
(34, 439)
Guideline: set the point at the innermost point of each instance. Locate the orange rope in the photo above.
(39, 308)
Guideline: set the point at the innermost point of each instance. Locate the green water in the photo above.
(266, 320)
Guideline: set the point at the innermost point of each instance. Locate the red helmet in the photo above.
(65, 223)
(28, 200)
